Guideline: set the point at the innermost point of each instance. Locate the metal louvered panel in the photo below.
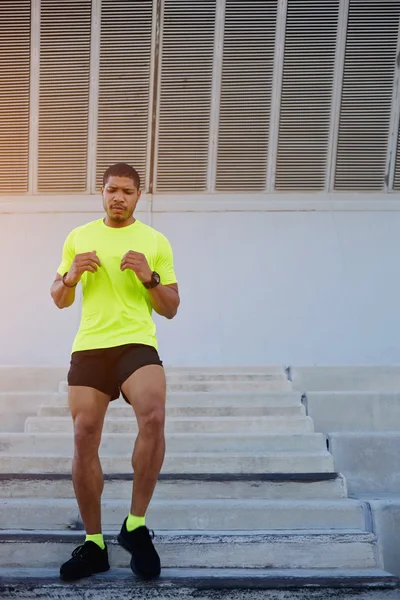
(64, 95)
(185, 94)
(307, 88)
(125, 60)
(246, 90)
(396, 185)
(367, 94)
(14, 95)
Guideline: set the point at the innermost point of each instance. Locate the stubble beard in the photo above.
(122, 218)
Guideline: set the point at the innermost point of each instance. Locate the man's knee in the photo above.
(87, 437)
(152, 421)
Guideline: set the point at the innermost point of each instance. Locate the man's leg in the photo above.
(146, 391)
(88, 408)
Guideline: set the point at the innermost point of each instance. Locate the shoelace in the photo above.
(145, 532)
(146, 536)
(80, 551)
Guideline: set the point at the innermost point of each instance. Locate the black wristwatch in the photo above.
(154, 281)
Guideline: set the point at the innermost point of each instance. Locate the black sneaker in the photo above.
(86, 560)
(145, 562)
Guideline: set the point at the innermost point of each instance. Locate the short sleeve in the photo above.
(164, 264)
(68, 253)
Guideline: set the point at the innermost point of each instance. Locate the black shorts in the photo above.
(106, 369)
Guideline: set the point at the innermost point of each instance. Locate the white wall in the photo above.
(257, 288)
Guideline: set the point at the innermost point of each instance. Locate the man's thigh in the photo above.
(145, 390)
(91, 386)
(88, 406)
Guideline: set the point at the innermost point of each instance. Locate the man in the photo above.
(126, 270)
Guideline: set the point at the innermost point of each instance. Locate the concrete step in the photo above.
(204, 376)
(201, 399)
(385, 511)
(303, 486)
(188, 462)
(13, 401)
(220, 386)
(369, 460)
(222, 514)
(23, 401)
(225, 370)
(26, 379)
(256, 550)
(122, 443)
(237, 399)
(126, 411)
(204, 584)
(267, 369)
(365, 411)
(16, 407)
(197, 425)
(346, 378)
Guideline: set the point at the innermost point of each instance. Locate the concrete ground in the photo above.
(204, 584)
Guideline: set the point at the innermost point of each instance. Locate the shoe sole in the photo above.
(122, 543)
(84, 576)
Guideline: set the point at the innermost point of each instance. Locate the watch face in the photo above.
(154, 281)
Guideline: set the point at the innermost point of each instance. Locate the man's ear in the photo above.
(102, 189)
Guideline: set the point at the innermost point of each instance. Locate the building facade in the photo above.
(266, 134)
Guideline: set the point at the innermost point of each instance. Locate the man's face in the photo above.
(120, 196)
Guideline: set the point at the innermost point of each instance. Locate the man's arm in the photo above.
(62, 295)
(165, 300)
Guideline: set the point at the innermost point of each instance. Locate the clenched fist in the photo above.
(88, 261)
(137, 262)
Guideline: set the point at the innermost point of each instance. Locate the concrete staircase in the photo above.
(248, 498)
(365, 443)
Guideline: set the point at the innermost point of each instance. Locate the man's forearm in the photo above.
(164, 300)
(62, 295)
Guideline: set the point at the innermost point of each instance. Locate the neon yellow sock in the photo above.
(97, 538)
(133, 522)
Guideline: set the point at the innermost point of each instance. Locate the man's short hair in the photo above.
(122, 170)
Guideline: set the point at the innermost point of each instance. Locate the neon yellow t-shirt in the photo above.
(116, 308)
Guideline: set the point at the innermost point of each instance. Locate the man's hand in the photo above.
(88, 261)
(137, 262)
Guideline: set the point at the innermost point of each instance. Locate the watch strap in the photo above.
(66, 284)
(154, 281)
